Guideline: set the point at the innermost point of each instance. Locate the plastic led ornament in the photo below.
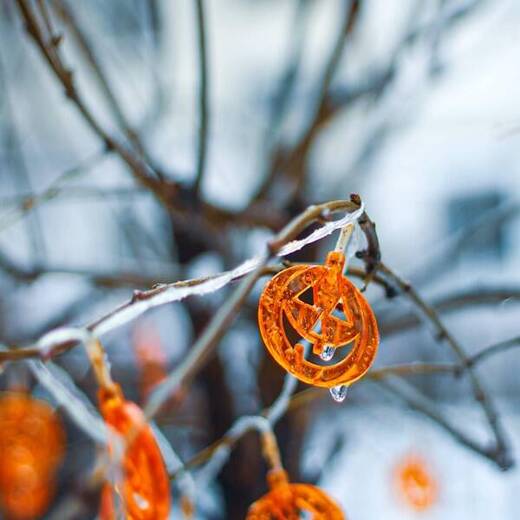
(286, 501)
(145, 487)
(338, 315)
(32, 444)
(416, 485)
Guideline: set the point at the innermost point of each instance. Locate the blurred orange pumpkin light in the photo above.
(415, 483)
(32, 444)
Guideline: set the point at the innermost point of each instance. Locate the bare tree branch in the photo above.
(202, 146)
(442, 334)
(454, 302)
(142, 301)
(497, 348)
(293, 162)
(29, 202)
(63, 10)
(416, 400)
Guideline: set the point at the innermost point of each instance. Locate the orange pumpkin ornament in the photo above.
(145, 487)
(285, 501)
(151, 358)
(32, 443)
(339, 315)
(415, 484)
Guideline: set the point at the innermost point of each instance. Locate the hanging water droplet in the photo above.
(327, 353)
(339, 393)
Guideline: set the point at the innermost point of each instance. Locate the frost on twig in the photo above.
(143, 301)
(174, 465)
(170, 293)
(220, 456)
(281, 244)
(66, 395)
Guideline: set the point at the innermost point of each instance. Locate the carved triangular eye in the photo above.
(307, 296)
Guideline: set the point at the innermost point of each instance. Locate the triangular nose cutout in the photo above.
(339, 312)
(317, 327)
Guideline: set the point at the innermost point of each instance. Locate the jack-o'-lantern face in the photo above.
(287, 501)
(338, 315)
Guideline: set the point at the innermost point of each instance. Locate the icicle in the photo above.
(339, 393)
(327, 353)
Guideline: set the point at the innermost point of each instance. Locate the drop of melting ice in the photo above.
(327, 353)
(339, 393)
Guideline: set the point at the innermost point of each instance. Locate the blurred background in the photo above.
(244, 112)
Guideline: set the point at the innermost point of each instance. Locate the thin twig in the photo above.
(454, 302)
(17, 161)
(142, 301)
(501, 450)
(167, 192)
(286, 85)
(27, 199)
(140, 169)
(202, 145)
(497, 348)
(293, 162)
(308, 395)
(221, 321)
(416, 401)
(446, 252)
(63, 10)
(96, 277)
(372, 259)
(28, 202)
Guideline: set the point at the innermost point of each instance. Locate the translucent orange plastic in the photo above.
(286, 501)
(32, 444)
(416, 485)
(319, 323)
(145, 489)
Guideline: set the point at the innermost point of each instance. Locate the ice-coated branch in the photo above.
(173, 463)
(277, 410)
(282, 244)
(85, 418)
(243, 425)
(287, 401)
(218, 453)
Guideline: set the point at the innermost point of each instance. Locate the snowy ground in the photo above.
(376, 439)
